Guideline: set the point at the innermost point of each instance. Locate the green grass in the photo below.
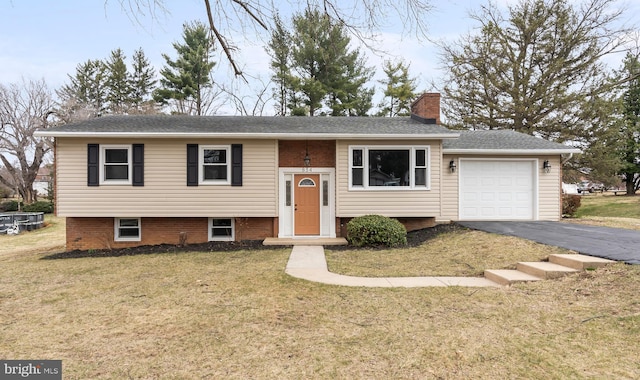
(609, 206)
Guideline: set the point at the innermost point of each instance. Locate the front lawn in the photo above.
(237, 315)
(461, 252)
(609, 205)
(609, 210)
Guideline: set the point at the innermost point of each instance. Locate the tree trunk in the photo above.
(630, 185)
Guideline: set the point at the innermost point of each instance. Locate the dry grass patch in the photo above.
(237, 315)
(460, 253)
(49, 238)
(626, 223)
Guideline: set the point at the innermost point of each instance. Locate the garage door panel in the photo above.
(505, 197)
(470, 197)
(496, 189)
(488, 197)
(505, 181)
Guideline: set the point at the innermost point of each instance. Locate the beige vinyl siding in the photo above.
(449, 205)
(165, 193)
(549, 187)
(550, 190)
(393, 203)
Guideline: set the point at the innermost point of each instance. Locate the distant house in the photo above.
(140, 180)
(43, 181)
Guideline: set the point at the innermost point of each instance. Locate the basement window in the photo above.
(127, 229)
(221, 229)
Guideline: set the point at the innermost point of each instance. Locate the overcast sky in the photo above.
(48, 39)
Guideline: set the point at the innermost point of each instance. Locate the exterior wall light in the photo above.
(307, 159)
(452, 166)
(546, 166)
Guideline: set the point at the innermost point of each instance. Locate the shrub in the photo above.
(570, 204)
(376, 230)
(9, 206)
(4, 192)
(40, 206)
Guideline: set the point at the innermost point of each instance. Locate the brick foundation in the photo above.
(98, 233)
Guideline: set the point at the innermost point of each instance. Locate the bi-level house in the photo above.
(142, 180)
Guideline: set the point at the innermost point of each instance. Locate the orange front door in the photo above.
(307, 204)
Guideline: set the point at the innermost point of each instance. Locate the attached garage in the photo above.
(498, 189)
(502, 175)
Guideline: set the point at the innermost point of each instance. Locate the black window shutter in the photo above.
(93, 165)
(138, 164)
(192, 164)
(236, 164)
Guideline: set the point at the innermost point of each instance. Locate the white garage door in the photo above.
(497, 190)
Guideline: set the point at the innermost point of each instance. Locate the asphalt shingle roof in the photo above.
(498, 140)
(180, 124)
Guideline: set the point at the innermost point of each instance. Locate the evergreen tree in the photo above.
(185, 80)
(399, 90)
(629, 136)
(328, 72)
(87, 91)
(347, 94)
(142, 80)
(279, 49)
(118, 83)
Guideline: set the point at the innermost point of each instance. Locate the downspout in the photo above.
(567, 159)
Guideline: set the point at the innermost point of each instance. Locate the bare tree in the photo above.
(248, 105)
(533, 67)
(24, 108)
(231, 18)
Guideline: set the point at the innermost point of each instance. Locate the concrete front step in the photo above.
(508, 276)
(579, 262)
(311, 241)
(559, 265)
(544, 270)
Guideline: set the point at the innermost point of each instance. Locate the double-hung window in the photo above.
(389, 167)
(115, 165)
(215, 164)
(127, 229)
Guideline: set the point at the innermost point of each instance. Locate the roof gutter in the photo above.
(262, 136)
(514, 152)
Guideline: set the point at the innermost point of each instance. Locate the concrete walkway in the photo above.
(309, 263)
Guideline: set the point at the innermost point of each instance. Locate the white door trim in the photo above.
(286, 210)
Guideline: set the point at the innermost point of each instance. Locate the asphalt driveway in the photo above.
(609, 243)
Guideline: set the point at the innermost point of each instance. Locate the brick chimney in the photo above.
(427, 106)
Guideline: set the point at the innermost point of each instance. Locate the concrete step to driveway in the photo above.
(579, 262)
(544, 270)
(507, 277)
